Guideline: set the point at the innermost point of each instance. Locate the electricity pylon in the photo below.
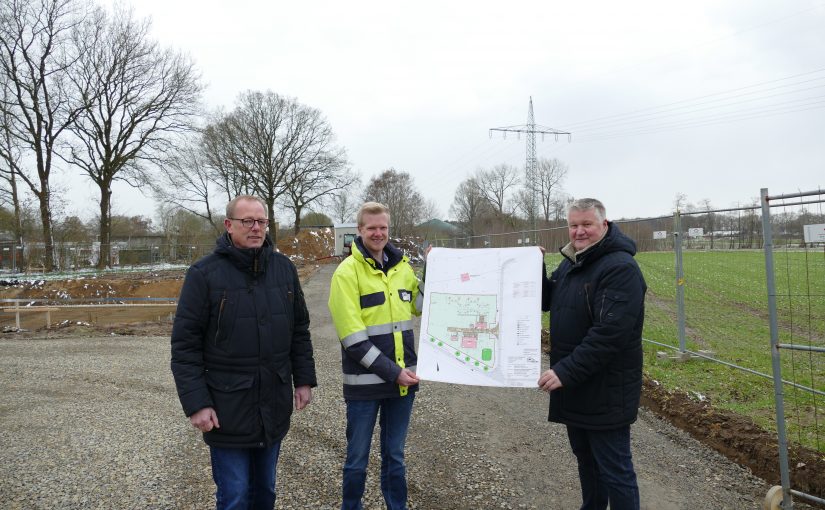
(531, 166)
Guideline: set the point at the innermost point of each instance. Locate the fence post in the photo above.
(680, 281)
(767, 237)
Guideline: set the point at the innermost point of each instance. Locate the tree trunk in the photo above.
(273, 228)
(297, 220)
(18, 217)
(48, 242)
(105, 259)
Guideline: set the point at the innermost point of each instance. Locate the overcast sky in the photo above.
(714, 99)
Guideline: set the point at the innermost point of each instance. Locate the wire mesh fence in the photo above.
(795, 278)
(73, 256)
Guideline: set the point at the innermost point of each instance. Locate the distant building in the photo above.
(435, 228)
(345, 234)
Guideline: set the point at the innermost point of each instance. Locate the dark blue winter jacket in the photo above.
(239, 341)
(596, 305)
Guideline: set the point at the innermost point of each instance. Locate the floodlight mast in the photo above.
(531, 165)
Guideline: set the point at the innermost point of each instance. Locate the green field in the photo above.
(726, 309)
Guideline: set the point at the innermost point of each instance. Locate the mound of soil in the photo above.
(309, 246)
(737, 437)
(154, 284)
(734, 436)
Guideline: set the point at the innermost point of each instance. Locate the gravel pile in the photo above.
(95, 423)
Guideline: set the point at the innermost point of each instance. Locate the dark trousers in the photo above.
(605, 468)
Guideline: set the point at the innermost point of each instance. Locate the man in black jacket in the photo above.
(240, 341)
(596, 303)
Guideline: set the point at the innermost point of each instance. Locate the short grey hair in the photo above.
(230, 207)
(586, 204)
(371, 208)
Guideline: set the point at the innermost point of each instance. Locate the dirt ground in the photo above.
(87, 293)
(734, 436)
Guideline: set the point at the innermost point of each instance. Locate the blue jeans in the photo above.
(244, 477)
(394, 420)
(605, 468)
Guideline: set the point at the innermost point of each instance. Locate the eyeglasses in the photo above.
(249, 222)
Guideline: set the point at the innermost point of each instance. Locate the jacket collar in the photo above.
(392, 255)
(252, 260)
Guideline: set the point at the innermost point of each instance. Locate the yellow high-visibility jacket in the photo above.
(372, 308)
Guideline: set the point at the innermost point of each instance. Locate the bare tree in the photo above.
(321, 172)
(36, 52)
(186, 182)
(429, 209)
(141, 96)
(224, 151)
(9, 169)
(527, 205)
(396, 190)
(495, 183)
(680, 201)
(256, 147)
(710, 218)
(550, 173)
(559, 204)
(469, 206)
(344, 203)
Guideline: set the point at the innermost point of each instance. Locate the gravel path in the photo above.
(95, 423)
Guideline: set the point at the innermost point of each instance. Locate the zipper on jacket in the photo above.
(587, 300)
(220, 315)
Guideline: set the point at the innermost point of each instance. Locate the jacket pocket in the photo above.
(227, 313)
(233, 396)
(612, 306)
(374, 299)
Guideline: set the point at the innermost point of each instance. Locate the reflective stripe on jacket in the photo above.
(372, 310)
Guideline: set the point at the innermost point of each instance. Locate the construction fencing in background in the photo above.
(795, 278)
(710, 291)
(71, 256)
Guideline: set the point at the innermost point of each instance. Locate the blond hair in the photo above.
(371, 208)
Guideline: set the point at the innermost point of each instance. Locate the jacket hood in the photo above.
(247, 259)
(614, 240)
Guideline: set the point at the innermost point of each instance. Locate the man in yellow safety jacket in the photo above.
(373, 297)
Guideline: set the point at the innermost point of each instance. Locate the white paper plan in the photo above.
(481, 322)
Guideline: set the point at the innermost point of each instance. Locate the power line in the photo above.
(696, 98)
(674, 112)
(704, 122)
(715, 113)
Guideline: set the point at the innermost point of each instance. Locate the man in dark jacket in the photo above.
(239, 342)
(596, 303)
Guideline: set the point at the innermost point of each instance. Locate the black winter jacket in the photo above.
(596, 309)
(239, 341)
